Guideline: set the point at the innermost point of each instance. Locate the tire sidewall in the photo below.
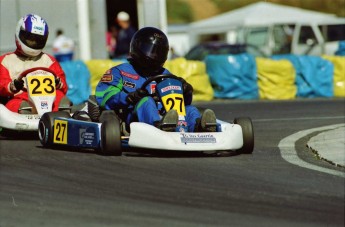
(247, 133)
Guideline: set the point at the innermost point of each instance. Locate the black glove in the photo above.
(17, 85)
(135, 96)
(58, 83)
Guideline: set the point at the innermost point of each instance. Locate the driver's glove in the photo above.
(16, 85)
(135, 96)
(58, 83)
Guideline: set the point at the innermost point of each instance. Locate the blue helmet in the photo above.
(31, 35)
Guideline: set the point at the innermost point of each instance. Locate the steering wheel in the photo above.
(26, 72)
(157, 78)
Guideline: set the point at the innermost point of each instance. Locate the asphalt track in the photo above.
(45, 187)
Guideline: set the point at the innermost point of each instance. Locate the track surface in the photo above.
(45, 187)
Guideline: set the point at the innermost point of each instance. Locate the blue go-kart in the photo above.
(108, 133)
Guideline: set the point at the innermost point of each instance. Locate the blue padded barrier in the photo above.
(78, 80)
(233, 76)
(314, 75)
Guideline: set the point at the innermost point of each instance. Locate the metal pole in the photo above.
(163, 24)
(84, 29)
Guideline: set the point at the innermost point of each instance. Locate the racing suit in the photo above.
(117, 82)
(12, 64)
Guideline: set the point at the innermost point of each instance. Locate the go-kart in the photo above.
(40, 86)
(106, 132)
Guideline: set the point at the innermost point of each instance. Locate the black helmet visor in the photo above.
(33, 41)
(155, 52)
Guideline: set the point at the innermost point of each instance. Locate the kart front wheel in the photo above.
(46, 126)
(110, 134)
(247, 133)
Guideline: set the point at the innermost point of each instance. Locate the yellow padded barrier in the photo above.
(195, 73)
(276, 79)
(97, 68)
(339, 74)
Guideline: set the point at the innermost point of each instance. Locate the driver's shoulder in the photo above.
(6, 55)
(8, 58)
(47, 58)
(127, 71)
(124, 66)
(166, 71)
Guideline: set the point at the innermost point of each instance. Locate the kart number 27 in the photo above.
(60, 131)
(174, 101)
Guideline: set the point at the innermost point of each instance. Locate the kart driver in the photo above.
(30, 37)
(120, 87)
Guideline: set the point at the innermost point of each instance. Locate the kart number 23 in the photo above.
(60, 132)
(41, 85)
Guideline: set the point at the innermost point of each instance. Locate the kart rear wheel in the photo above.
(247, 133)
(46, 126)
(110, 134)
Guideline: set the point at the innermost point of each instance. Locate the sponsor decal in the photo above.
(132, 76)
(197, 138)
(171, 87)
(44, 105)
(107, 78)
(31, 116)
(86, 137)
(40, 72)
(129, 84)
(38, 28)
(153, 88)
(182, 126)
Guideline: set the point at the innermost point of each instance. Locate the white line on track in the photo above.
(300, 118)
(288, 152)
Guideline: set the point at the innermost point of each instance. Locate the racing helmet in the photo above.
(149, 49)
(31, 35)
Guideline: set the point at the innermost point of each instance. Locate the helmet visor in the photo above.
(155, 52)
(33, 41)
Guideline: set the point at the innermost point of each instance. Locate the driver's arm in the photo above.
(5, 80)
(109, 91)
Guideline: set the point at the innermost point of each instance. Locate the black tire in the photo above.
(110, 134)
(46, 126)
(248, 134)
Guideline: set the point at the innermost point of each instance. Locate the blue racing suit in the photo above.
(117, 82)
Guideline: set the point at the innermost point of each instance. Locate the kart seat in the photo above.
(26, 108)
(65, 104)
(93, 108)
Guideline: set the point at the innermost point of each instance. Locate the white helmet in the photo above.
(31, 35)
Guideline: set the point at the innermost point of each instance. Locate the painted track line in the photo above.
(300, 119)
(288, 152)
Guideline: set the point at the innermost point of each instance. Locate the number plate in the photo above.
(41, 85)
(60, 131)
(174, 101)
